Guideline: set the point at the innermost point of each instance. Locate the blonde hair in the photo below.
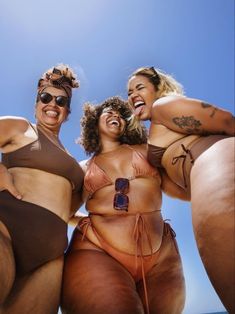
(165, 84)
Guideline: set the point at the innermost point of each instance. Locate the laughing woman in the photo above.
(40, 186)
(123, 257)
(192, 140)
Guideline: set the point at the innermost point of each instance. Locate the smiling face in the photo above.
(51, 115)
(141, 96)
(111, 123)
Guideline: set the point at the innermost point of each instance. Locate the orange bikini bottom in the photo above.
(138, 265)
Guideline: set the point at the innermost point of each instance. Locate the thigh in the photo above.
(212, 190)
(94, 282)
(165, 281)
(7, 263)
(212, 181)
(37, 292)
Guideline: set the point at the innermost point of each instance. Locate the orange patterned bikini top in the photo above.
(96, 178)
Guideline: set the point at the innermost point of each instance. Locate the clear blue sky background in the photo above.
(104, 41)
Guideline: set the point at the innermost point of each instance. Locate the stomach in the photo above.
(125, 230)
(47, 190)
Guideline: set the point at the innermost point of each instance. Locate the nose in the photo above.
(133, 95)
(116, 114)
(53, 101)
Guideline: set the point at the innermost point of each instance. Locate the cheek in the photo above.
(130, 102)
(36, 109)
(65, 115)
(151, 96)
(102, 118)
(123, 126)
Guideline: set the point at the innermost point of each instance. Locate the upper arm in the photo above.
(192, 116)
(10, 127)
(78, 198)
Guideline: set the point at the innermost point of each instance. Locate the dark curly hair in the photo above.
(89, 122)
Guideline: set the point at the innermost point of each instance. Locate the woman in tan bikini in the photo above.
(193, 142)
(40, 188)
(123, 258)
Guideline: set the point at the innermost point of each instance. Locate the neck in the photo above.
(49, 131)
(109, 146)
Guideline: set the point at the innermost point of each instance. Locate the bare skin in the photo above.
(30, 293)
(182, 120)
(95, 282)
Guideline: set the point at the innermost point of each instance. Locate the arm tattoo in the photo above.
(189, 124)
(213, 112)
(206, 105)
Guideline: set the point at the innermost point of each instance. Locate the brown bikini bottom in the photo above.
(37, 235)
(192, 152)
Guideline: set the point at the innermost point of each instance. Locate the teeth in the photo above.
(51, 113)
(138, 103)
(115, 122)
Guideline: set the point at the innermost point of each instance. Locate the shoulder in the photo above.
(168, 100)
(164, 106)
(12, 130)
(84, 164)
(14, 121)
(12, 126)
(13, 118)
(141, 148)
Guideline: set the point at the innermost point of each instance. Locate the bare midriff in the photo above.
(44, 189)
(117, 228)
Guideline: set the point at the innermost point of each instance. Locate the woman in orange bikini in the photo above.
(193, 142)
(40, 188)
(123, 258)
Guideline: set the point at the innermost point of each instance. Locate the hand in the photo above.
(6, 182)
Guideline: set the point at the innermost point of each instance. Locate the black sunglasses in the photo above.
(61, 101)
(121, 200)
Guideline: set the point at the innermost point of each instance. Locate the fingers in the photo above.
(7, 183)
(14, 192)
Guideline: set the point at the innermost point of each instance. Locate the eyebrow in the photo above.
(138, 85)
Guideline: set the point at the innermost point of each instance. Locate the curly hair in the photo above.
(164, 84)
(90, 139)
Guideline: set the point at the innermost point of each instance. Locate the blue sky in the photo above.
(104, 41)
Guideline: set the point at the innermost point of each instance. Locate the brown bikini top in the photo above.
(44, 155)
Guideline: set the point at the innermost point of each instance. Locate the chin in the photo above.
(144, 116)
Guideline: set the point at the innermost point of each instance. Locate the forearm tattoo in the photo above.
(206, 105)
(188, 124)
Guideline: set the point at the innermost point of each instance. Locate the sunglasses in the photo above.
(61, 101)
(121, 200)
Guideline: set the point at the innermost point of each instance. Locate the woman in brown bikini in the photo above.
(40, 188)
(192, 140)
(123, 258)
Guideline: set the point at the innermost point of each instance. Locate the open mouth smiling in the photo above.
(51, 113)
(138, 105)
(114, 122)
